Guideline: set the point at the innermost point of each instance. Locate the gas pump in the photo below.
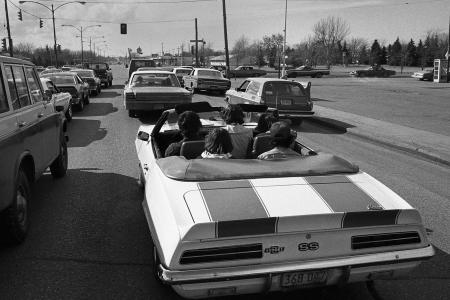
(440, 70)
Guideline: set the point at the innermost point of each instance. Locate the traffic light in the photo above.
(41, 23)
(19, 14)
(4, 45)
(123, 28)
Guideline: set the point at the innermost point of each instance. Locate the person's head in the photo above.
(218, 141)
(265, 121)
(233, 114)
(282, 134)
(189, 124)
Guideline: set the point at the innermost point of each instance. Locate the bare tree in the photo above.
(328, 32)
(354, 46)
(240, 48)
(24, 49)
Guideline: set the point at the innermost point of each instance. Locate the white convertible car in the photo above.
(238, 226)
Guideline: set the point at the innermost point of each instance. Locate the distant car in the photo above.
(223, 227)
(373, 71)
(307, 71)
(424, 75)
(291, 98)
(187, 67)
(32, 139)
(95, 84)
(39, 69)
(153, 90)
(246, 71)
(66, 68)
(180, 72)
(73, 84)
(207, 80)
(137, 63)
(48, 71)
(61, 100)
(102, 71)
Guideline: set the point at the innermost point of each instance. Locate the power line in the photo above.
(135, 2)
(25, 11)
(119, 22)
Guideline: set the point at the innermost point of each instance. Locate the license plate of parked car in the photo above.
(296, 279)
(286, 102)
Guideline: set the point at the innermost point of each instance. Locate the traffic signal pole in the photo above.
(227, 55)
(9, 30)
(196, 43)
(54, 37)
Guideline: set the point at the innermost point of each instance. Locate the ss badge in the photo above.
(308, 246)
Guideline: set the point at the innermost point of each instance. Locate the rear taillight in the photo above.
(384, 240)
(208, 255)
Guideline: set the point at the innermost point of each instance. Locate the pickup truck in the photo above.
(102, 71)
(307, 71)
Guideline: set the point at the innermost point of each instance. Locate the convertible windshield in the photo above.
(85, 73)
(62, 79)
(155, 79)
(210, 73)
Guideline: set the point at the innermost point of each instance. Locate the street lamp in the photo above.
(52, 9)
(81, 35)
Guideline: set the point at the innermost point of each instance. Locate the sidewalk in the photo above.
(427, 144)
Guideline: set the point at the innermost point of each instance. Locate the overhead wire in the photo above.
(27, 12)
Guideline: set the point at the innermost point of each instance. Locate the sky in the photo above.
(168, 24)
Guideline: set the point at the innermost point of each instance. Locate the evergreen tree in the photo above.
(389, 55)
(363, 56)
(411, 54)
(396, 53)
(375, 52)
(420, 53)
(383, 56)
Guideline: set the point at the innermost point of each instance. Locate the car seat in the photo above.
(261, 144)
(192, 149)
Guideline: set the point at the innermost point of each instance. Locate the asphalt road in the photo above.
(89, 238)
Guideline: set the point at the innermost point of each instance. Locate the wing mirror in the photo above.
(49, 94)
(143, 136)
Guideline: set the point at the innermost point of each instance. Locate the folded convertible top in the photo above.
(179, 168)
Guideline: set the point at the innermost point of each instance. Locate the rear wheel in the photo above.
(319, 75)
(58, 168)
(86, 99)
(80, 105)
(69, 113)
(15, 217)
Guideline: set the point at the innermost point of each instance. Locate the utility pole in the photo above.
(448, 49)
(182, 50)
(9, 30)
(196, 43)
(283, 72)
(90, 48)
(82, 55)
(227, 55)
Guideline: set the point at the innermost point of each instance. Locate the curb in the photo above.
(412, 150)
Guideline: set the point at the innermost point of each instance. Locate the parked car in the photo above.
(307, 71)
(135, 64)
(239, 226)
(153, 90)
(95, 84)
(66, 68)
(39, 69)
(180, 72)
(70, 82)
(61, 100)
(48, 71)
(102, 71)
(246, 71)
(291, 98)
(373, 71)
(32, 138)
(206, 79)
(424, 75)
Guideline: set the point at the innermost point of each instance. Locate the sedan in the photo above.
(207, 80)
(88, 76)
(153, 90)
(61, 100)
(373, 71)
(424, 75)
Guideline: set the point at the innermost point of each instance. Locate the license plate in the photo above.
(296, 279)
(286, 102)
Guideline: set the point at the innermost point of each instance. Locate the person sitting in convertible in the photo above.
(264, 122)
(218, 144)
(189, 124)
(283, 142)
(241, 137)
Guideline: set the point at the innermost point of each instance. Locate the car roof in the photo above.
(62, 73)
(187, 69)
(8, 59)
(208, 69)
(263, 80)
(151, 72)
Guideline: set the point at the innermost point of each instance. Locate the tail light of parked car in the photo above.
(130, 96)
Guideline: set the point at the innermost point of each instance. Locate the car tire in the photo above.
(58, 168)
(319, 75)
(15, 218)
(110, 83)
(131, 113)
(69, 113)
(86, 99)
(99, 90)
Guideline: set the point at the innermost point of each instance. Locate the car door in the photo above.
(238, 95)
(83, 87)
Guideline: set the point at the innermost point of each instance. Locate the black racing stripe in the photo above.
(246, 227)
(370, 218)
(341, 194)
(232, 200)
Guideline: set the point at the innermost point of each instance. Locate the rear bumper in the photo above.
(257, 278)
(210, 87)
(152, 105)
(295, 113)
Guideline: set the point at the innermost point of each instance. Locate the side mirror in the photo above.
(126, 82)
(143, 136)
(49, 94)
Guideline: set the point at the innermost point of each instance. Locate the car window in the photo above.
(85, 73)
(186, 72)
(23, 97)
(33, 85)
(287, 89)
(62, 79)
(253, 88)
(3, 101)
(12, 88)
(244, 86)
(51, 87)
(78, 79)
(155, 79)
(212, 73)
